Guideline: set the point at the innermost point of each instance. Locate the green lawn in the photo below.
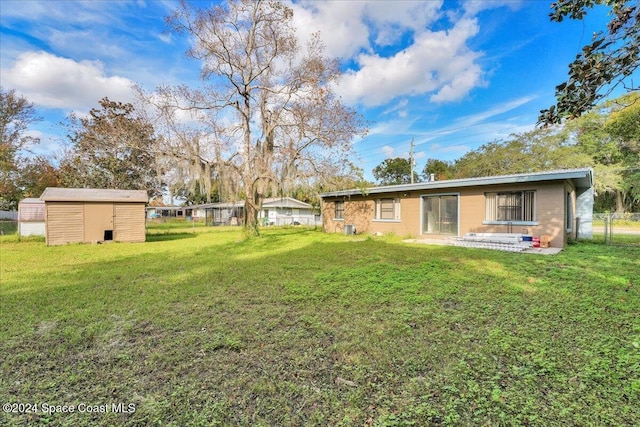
(200, 327)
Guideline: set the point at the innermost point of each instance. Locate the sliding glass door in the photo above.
(440, 214)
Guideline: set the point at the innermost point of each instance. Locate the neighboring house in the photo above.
(287, 211)
(31, 217)
(221, 213)
(89, 215)
(275, 211)
(165, 212)
(558, 204)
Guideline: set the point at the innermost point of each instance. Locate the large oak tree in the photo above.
(274, 119)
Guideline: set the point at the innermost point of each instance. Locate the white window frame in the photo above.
(379, 213)
(527, 206)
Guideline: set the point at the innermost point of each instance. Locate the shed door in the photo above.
(98, 221)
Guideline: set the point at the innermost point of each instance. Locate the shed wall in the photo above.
(77, 222)
(26, 229)
(129, 222)
(64, 222)
(31, 212)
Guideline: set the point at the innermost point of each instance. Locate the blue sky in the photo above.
(449, 75)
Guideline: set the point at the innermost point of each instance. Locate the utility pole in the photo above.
(411, 161)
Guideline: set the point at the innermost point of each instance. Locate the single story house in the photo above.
(557, 204)
(31, 217)
(275, 211)
(287, 211)
(158, 212)
(90, 215)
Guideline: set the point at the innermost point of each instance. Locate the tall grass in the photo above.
(298, 327)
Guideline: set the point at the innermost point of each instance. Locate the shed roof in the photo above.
(56, 194)
(582, 178)
(30, 200)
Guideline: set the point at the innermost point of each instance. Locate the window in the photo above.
(338, 206)
(388, 209)
(440, 214)
(515, 206)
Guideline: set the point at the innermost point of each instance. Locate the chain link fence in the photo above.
(8, 227)
(617, 228)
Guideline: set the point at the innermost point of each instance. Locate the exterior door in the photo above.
(440, 214)
(98, 222)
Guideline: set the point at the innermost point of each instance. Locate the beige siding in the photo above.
(129, 222)
(64, 223)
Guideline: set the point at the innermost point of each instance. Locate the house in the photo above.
(287, 211)
(557, 204)
(90, 215)
(31, 217)
(275, 211)
(165, 212)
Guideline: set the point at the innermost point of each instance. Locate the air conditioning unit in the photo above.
(349, 229)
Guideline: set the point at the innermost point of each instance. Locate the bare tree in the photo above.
(271, 109)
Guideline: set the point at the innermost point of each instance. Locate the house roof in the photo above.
(274, 202)
(219, 205)
(57, 194)
(582, 178)
(285, 202)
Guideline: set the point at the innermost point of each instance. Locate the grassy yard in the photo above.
(200, 327)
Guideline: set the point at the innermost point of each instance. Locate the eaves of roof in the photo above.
(582, 178)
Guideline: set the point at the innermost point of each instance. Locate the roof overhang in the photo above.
(57, 194)
(582, 179)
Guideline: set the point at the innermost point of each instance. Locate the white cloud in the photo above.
(388, 151)
(473, 119)
(339, 23)
(400, 108)
(473, 7)
(54, 82)
(348, 27)
(437, 62)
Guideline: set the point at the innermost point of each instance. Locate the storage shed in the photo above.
(90, 215)
(31, 217)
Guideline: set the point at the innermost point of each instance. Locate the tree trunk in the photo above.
(619, 202)
(252, 206)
